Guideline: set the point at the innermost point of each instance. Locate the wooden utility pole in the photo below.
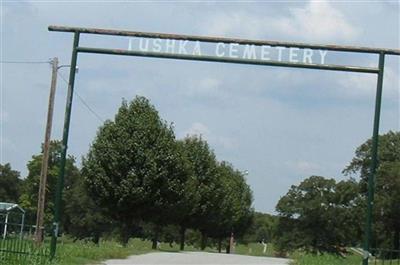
(45, 158)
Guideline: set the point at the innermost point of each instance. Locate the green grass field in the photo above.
(255, 249)
(86, 252)
(326, 259)
(81, 252)
(308, 259)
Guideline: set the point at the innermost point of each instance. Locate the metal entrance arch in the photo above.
(372, 70)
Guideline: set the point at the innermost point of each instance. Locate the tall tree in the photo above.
(202, 195)
(134, 167)
(85, 218)
(263, 228)
(233, 213)
(9, 184)
(218, 198)
(319, 215)
(30, 186)
(387, 188)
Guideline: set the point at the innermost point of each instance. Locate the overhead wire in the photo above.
(62, 77)
(81, 99)
(25, 62)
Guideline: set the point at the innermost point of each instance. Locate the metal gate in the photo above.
(18, 248)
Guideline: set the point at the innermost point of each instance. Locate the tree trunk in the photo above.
(203, 241)
(96, 238)
(125, 239)
(396, 243)
(125, 231)
(154, 244)
(182, 239)
(228, 248)
(124, 234)
(219, 245)
(155, 239)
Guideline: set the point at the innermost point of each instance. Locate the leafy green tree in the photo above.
(30, 185)
(201, 196)
(319, 215)
(218, 198)
(387, 188)
(85, 218)
(262, 228)
(233, 212)
(134, 168)
(9, 184)
(242, 203)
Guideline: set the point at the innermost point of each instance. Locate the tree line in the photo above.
(324, 215)
(137, 179)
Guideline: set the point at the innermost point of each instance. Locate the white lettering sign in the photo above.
(230, 50)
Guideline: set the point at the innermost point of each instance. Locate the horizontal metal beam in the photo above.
(225, 40)
(208, 58)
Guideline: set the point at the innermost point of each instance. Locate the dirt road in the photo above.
(196, 258)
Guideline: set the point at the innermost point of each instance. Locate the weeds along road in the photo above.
(196, 258)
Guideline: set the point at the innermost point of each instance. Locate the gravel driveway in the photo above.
(196, 258)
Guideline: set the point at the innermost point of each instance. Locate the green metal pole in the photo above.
(67, 119)
(374, 161)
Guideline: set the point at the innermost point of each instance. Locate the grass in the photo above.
(325, 259)
(11, 248)
(81, 252)
(255, 249)
(85, 252)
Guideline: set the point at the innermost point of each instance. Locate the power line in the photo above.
(81, 99)
(89, 108)
(62, 77)
(25, 62)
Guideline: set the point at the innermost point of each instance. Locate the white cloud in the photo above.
(316, 21)
(200, 129)
(207, 86)
(356, 85)
(305, 167)
(234, 23)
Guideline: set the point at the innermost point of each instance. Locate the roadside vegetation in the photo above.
(138, 183)
(84, 252)
(325, 259)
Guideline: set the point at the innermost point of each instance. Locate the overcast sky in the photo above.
(280, 124)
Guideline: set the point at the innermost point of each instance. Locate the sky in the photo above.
(281, 125)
